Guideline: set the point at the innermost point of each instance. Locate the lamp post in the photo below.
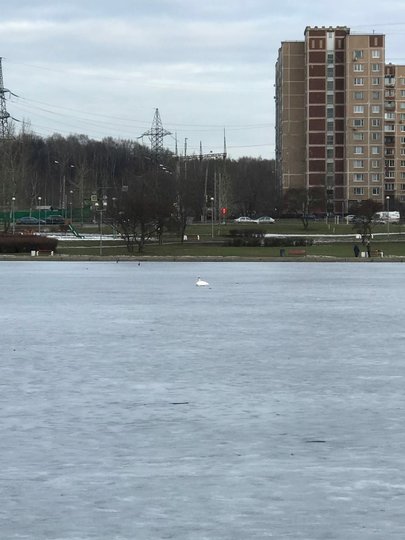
(100, 207)
(13, 214)
(71, 206)
(39, 214)
(212, 217)
(387, 198)
(62, 186)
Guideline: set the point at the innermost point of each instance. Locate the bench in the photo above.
(297, 252)
(41, 251)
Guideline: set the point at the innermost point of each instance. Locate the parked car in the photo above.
(55, 220)
(244, 219)
(30, 220)
(265, 219)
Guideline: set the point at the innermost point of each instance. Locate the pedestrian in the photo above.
(356, 250)
(368, 247)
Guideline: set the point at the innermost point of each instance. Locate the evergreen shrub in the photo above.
(25, 243)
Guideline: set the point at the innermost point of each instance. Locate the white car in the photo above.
(245, 219)
(265, 219)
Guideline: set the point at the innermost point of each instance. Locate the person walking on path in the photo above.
(368, 247)
(356, 250)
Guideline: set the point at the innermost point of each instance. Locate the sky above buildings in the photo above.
(101, 68)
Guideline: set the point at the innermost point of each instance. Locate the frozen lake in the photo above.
(137, 406)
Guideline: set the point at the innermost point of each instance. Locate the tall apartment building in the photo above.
(340, 118)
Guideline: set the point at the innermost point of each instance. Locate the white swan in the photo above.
(201, 283)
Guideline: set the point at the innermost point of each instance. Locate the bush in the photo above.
(244, 242)
(246, 233)
(287, 241)
(25, 243)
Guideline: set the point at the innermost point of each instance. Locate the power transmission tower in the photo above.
(4, 115)
(156, 135)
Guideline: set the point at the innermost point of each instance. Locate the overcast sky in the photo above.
(101, 68)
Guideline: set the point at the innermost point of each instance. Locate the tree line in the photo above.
(137, 189)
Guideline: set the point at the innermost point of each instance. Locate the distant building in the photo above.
(340, 118)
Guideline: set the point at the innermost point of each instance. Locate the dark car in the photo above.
(29, 220)
(55, 220)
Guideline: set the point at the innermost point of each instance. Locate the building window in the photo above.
(359, 95)
(329, 99)
(375, 163)
(330, 112)
(376, 191)
(329, 153)
(375, 53)
(329, 85)
(375, 177)
(402, 187)
(329, 126)
(389, 187)
(359, 149)
(402, 140)
(389, 127)
(375, 94)
(375, 109)
(375, 135)
(375, 150)
(402, 81)
(402, 175)
(358, 109)
(358, 191)
(330, 58)
(401, 128)
(390, 174)
(358, 67)
(402, 105)
(375, 81)
(358, 81)
(358, 164)
(402, 163)
(375, 122)
(389, 116)
(390, 162)
(375, 67)
(402, 93)
(329, 139)
(358, 177)
(358, 122)
(357, 54)
(358, 136)
(402, 151)
(330, 72)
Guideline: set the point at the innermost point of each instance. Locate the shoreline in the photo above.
(169, 258)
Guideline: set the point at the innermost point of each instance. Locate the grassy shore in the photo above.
(205, 240)
(331, 242)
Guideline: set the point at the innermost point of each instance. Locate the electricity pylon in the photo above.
(156, 135)
(4, 115)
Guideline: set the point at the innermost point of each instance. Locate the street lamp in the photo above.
(387, 198)
(100, 207)
(71, 206)
(39, 214)
(62, 186)
(13, 214)
(212, 217)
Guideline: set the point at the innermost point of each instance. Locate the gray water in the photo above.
(135, 405)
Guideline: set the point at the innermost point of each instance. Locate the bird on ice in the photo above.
(201, 283)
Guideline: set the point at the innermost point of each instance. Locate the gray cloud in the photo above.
(102, 68)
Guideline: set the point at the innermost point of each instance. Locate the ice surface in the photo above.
(137, 406)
